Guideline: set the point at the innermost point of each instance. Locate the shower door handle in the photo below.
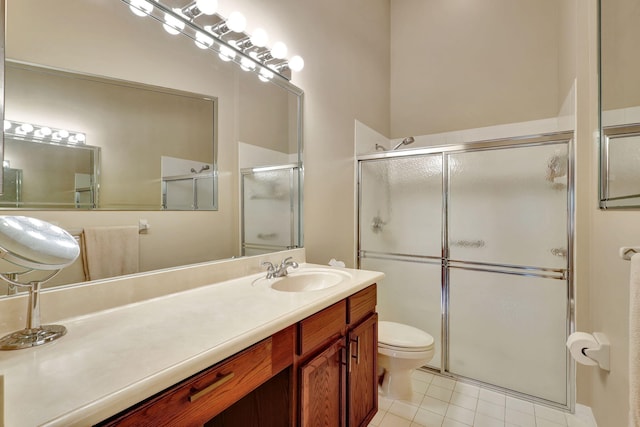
(468, 243)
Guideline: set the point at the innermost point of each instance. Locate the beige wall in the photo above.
(621, 64)
(460, 65)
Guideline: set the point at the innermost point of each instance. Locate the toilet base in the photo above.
(397, 385)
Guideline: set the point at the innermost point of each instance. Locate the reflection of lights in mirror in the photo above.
(30, 244)
(43, 133)
(254, 54)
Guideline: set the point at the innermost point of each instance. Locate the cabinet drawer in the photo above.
(322, 327)
(199, 399)
(361, 304)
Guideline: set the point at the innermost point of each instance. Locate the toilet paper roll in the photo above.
(577, 343)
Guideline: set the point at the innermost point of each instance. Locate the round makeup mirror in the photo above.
(29, 244)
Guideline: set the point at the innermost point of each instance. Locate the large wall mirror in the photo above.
(111, 122)
(619, 104)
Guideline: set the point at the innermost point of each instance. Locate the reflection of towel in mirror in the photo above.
(110, 251)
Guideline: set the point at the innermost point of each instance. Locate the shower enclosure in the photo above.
(476, 242)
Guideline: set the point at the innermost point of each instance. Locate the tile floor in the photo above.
(443, 402)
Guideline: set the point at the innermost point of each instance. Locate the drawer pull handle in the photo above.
(357, 355)
(209, 389)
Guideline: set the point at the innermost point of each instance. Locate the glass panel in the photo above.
(401, 205)
(179, 194)
(509, 331)
(267, 208)
(410, 294)
(509, 206)
(624, 158)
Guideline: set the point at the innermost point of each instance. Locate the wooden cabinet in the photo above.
(337, 376)
(198, 399)
(322, 388)
(318, 372)
(362, 375)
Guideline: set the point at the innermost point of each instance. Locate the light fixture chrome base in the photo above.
(27, 338)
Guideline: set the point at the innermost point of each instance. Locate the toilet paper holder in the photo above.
(598, 354)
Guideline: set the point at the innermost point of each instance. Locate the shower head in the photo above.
(408, 140)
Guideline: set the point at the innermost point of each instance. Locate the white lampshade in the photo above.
(265, 75)
(172, 25)
(259, 37)
(296, 63)
(208, 7)
(140, 7)
(237, 22)
(279, 50)
(203, 41)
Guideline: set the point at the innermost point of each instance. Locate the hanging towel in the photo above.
(634, 343)
(110, 251)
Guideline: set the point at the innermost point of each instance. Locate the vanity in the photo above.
(226, 353)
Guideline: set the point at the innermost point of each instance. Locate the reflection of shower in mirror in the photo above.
(203, 168)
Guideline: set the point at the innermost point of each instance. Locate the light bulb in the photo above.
(7, 125)
(140, 7)
(279, 50)
(63, 133)
(45, 131)
(80, 137)
(172, 25)
(226, 53)
(26, 128)
(237, 22)
(259, 37)
(203, 41)
(208, 7)
(296, 63)
(247, 65)
(265, 75)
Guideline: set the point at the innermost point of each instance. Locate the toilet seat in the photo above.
(404, 338)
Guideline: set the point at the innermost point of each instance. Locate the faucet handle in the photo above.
(269, 265)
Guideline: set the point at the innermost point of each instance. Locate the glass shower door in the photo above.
(507, 268)
(401, 234)
(269, 209)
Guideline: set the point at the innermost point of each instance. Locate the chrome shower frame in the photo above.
(446, 263)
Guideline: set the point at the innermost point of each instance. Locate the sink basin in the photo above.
(306, 280)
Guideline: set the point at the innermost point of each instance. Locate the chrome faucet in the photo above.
(274, 271)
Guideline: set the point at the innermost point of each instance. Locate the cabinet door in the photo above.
(322, 388)
(362, 384)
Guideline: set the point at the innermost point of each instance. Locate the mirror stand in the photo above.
(34, 333)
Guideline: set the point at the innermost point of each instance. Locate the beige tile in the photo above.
(403, 409)
(462, 415)
(434, 405)
(486, 421)
(391, 420)
(467, 389)
(444, 382)
(550, 414)
(463, 401)
(490, 409)
(427, 418)
(443, 394)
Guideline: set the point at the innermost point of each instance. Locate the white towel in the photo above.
(634, 342)
(110, 251)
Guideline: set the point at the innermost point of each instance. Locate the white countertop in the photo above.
(110, 360)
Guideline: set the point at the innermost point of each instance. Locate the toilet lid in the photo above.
(404, 336)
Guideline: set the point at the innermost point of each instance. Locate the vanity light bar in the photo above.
(24, 130)
(249, 51)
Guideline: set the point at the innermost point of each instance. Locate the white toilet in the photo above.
(401, 349)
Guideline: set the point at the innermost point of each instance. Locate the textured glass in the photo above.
(509, 331)
(410, 294)
(509, 206)
(401, 205)
(267, 214)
